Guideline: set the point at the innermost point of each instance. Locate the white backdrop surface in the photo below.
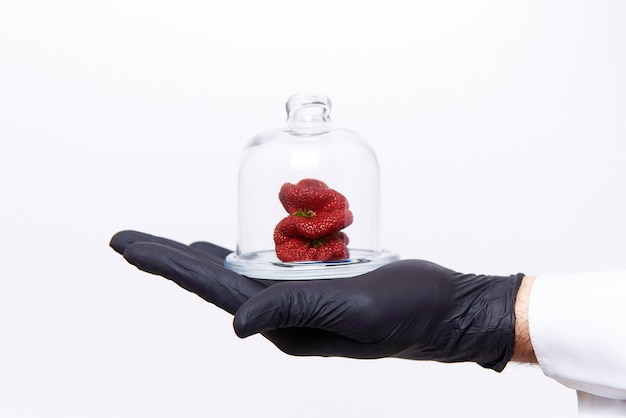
(499, 128)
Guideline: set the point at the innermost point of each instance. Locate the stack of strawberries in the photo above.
(312, 231)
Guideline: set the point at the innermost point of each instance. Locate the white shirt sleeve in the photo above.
(578, 331)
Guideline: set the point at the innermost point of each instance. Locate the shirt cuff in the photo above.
(577, 327)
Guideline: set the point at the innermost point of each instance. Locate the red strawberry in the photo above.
(325, 249)
(311, 232)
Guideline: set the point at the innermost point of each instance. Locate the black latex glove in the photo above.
(408, 309)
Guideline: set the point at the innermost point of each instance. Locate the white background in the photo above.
(499, 128)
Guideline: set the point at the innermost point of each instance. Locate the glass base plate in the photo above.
(265, 265)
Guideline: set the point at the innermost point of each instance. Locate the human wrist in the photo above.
(523, 351)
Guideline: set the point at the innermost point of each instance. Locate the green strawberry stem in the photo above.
(304, 213)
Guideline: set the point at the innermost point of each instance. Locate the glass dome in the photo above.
(308, 200)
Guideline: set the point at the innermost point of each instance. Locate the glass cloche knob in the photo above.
(308, 200)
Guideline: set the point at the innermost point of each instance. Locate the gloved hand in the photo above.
(408, 309)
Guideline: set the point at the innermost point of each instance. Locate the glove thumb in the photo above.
(285, 305)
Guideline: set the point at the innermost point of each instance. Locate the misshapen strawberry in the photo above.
(312, 226)
(311, 232)
(311, 194)
(329, 248)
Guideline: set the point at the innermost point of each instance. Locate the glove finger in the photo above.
(312, 304)
(220, 254)
(209, 252)
(211, 248)
(210, 281)
(123, 239)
